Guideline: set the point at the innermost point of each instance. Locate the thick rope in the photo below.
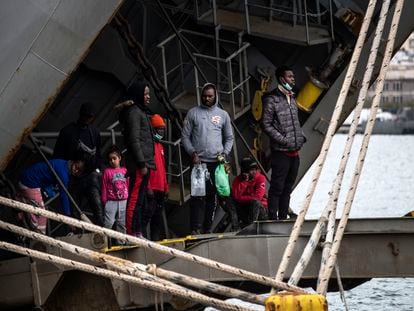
(142, 282)
(330, 209)
(323, 286)
(136, 269)
(151, 245)
(333, 200)
(327, 142)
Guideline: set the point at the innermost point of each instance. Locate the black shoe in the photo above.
(196, 232)
(292, 215)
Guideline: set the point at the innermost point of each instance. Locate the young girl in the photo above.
(115, 191)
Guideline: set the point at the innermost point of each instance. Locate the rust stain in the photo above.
(27, 130)
(49, 101)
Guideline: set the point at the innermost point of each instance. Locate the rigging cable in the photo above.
(323, 285)
(140, 281)
(330, 209)
(327, 142)
(135, 269)
(268, 281)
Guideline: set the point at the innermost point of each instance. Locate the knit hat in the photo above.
(157, 121)
(247, 163)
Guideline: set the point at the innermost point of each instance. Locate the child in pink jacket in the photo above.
(115, 191)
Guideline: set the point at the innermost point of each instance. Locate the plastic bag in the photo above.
(222, 181)
(199, 174)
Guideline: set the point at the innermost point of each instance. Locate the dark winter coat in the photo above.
(137, 133)
(281, 123)
(73, 141)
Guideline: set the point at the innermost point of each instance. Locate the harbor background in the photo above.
(385, 190)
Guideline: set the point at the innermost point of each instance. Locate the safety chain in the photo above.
(323, 286)
(148, 69)
(327, 142)
(152, 245)
(132, 268)
(142, 282)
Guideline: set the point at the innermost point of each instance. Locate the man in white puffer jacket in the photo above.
(206, 135)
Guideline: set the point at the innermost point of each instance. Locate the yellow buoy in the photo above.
(296, 302)
(309, 94)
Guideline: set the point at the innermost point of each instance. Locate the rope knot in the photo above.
(152, 268)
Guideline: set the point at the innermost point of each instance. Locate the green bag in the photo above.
(222, 181)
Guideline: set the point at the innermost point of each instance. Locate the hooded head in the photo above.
(86, 113)
(139, 93)
(285, 77)
(209, 95)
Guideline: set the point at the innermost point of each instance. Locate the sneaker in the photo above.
(195, 232)
(138, 235)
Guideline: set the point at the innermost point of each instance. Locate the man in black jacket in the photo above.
(137, 133)
(280, 122)
(81, 140)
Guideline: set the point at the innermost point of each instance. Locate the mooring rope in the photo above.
(327, 142)
(133, 268)
(330, 209)
(142, 282)
(152, 245)
(323, 285)
(334, 195)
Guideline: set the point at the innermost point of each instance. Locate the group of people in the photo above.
(207, 137)
(132, 197)
(125, 199)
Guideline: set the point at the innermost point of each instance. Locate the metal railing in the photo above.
(298, 11)
(227, 82)
(111, 133)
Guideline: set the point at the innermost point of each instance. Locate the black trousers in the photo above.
(253, 211)
(88, 187)
(202, 208)
(284, 173)
(152, 215)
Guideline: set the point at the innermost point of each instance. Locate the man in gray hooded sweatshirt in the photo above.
(206, 134)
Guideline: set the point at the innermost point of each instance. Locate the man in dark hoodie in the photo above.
(206, 134)
(280, 122)
(137, 133)
(81, 140)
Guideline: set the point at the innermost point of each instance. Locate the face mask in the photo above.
(287, 86)
(158, 136)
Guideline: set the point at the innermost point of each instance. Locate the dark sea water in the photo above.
(386, 189)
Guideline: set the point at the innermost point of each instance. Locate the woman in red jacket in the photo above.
(249, 193)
